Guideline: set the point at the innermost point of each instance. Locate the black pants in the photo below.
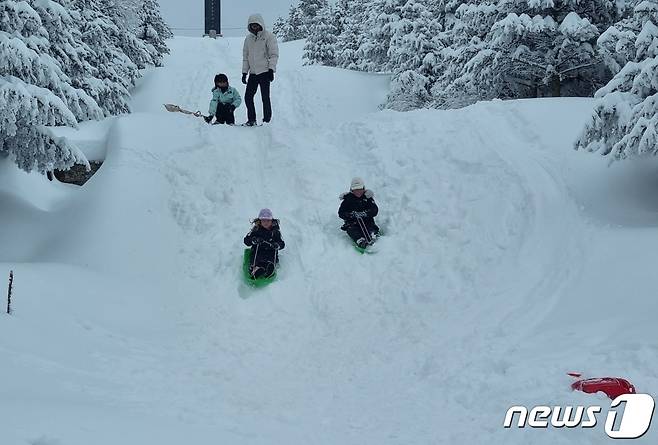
(355, 232)
(256, 80)
(262, 270)
(265, 263)
(224, 114)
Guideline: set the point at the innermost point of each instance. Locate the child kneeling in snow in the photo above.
(225, 99)
(265, 241)
(359, 206)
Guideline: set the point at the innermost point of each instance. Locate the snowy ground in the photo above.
(509, 259)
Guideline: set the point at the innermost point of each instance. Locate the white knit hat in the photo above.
(357, 184)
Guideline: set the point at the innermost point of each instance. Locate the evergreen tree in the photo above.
(311, 8)
(379, 26)
(152, 28)
(294, 27)
(625, 120)
(412, 56)
(321, 43)
(350, 14)
(115, 73)
(62, 62)
(34, 90)
(465, 29)
(117, 30)
(533, 48)
(279, 28)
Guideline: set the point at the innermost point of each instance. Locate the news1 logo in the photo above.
(633, 422)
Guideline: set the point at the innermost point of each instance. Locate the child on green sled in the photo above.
(265, 242)
(358, 210)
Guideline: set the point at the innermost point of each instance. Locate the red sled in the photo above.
(613, 387)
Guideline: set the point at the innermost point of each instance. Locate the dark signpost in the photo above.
(213, 17)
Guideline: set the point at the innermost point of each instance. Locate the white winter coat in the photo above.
(260, 52)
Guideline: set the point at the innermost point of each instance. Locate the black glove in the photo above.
(360, 214)
(208, 119)
(244, 78)
(276, 245)
(271, 75)
(256, 240)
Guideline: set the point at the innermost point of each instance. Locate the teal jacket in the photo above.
(230, 97)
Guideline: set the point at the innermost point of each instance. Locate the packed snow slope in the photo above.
(508, 259)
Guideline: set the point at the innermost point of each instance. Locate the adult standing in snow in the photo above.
(260, 55)
(359, 203)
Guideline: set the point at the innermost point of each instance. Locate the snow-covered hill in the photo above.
(509, 259)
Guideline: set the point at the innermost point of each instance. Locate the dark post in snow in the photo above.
(11, 283)
(213, 23)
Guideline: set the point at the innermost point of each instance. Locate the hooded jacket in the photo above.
(260, 52)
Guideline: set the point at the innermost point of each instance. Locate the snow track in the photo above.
(455, 213)
(428, 341)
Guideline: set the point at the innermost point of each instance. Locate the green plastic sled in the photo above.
(254, 282)
(364, 250)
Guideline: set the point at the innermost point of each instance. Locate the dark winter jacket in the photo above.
(366, 203)
(270, 240)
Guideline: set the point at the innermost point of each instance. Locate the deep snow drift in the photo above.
(509, 259)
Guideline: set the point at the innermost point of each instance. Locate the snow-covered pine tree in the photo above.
(34, 90)
(152, 28)
(25, 110)
(279, 28)
(54, 17)
(116, 27)
(466, 26)
(412, 56)
(115, 72)
(94, 65)
(310, 9)
(294, 25)
(617, 43)
(300, 19)
(513, 63)
(535, 47)
(412, 35)
(321, 43)
(576, 67)
(350, 14)
(129, 11)
(625, 119)
(380, 19)
(27, 53)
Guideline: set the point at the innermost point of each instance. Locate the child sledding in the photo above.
(358, 211)
(264, 241)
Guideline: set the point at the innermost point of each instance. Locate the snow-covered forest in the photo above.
(452, 53)
(67, 61)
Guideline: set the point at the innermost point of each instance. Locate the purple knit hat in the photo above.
(265, 214)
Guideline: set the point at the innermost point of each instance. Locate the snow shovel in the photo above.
(176, 109)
